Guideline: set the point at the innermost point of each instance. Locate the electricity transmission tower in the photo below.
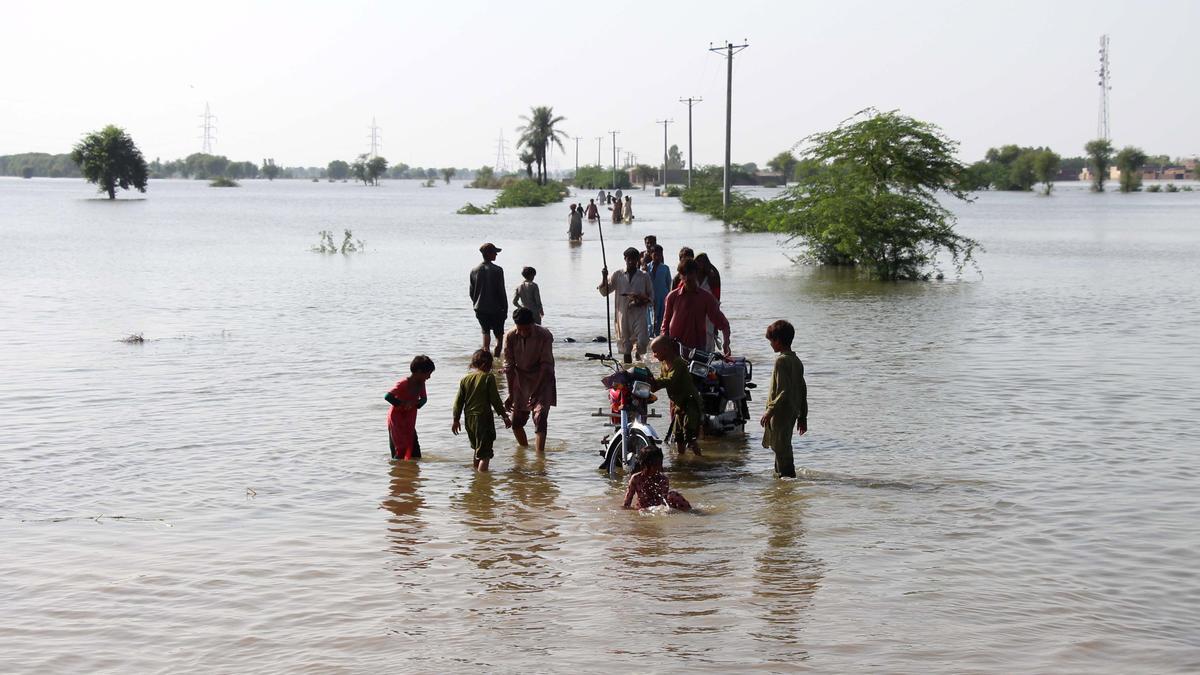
(210, 131)
(1105, 83)
(729, 50)
(501, 154)
(690, 101)
(376, 138)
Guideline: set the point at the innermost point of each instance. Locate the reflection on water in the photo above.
(786, 575)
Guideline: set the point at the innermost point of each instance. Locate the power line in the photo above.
(690, 101)
(730, 49)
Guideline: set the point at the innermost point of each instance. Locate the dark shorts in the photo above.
(541, 414)
(490, 322)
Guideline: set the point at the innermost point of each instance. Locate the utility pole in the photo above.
(664, 173)
(690, 101)
(729, 52)
(376, 138)
(210, 135)
(599, 139)
(614, 178)
(577, 139)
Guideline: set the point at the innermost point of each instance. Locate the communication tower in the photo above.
(1105, 83)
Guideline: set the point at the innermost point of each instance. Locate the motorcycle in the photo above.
(724, 385)
(630, 397)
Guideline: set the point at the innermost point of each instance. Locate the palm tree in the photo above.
(537, 135)
(528, 158)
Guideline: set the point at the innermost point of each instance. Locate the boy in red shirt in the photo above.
(406, 397)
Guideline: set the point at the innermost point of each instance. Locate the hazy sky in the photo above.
(300, 81)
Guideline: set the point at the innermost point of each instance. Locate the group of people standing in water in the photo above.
(620, 206)
(679, 312)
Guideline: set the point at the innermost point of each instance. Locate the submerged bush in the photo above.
(222, 181)
(472, 210)
(349, 243)
(528, 193)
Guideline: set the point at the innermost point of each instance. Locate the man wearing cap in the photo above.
(634, 295)
(489, 298)
(529, 372)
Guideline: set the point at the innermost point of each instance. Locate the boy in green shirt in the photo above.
(681, 389)
(787, 399)
(478, 395)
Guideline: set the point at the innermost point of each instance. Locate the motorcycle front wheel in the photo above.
(627, 458)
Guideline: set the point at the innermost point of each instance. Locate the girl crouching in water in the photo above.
(651, 485)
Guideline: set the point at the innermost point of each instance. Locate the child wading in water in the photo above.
(787, 400)
(406, 397)
(529, 296)
(478, 396)
(651, 485)
(681, 389)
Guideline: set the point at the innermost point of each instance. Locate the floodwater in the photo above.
(1001, 473)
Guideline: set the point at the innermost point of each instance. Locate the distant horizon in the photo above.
(444, 83)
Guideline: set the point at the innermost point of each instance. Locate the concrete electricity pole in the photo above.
(664, 173)
(577, 139)
(690, 101)
(599, 140)
(729, 52)
(614, 177)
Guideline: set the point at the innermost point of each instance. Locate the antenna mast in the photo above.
(1102, 130)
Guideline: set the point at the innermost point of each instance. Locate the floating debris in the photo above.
(133, 339)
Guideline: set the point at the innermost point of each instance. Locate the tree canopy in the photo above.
(1099, 154)
(873, 201)
(537, 135)
(1129, 162)
(110, 159)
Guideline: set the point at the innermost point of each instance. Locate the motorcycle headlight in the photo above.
(641, 389)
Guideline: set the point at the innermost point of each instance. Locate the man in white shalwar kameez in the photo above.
(634, 293)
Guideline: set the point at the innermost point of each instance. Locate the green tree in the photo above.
(376, 167)
(431, 173)
(448, 173)
(1099, 152)
(674, 158)
(783, 163)
(270, 169)
(484, 177)
(537, 135)
(338, 170)
(110, 159)
(1129, 162)
(1045, 167)
(528, 158)
(876, 204)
